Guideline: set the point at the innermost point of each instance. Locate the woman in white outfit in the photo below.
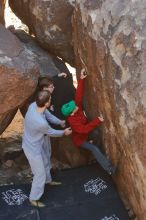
(36, 143)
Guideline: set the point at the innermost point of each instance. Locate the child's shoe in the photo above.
(112, 170)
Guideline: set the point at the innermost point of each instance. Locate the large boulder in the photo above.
(21, 63)
(18, 71)
(50, 22)
(2, 7)
(109, 41)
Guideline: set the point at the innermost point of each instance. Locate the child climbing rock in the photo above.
(81, 127)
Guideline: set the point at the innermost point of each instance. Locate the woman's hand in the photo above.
(67, 131)
(62, 124)
(64, 75)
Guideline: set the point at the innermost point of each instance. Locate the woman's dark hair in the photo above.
(43, 82)
(42, 98)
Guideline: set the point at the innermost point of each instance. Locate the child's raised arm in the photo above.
(80, 88)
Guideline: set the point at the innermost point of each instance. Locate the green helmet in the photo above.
(68, 108)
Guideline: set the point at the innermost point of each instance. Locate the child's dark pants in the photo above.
(101, 159)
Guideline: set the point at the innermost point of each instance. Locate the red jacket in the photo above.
(78, 122)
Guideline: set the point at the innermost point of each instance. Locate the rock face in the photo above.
(6, 119)
(2, 7)
(20, 65)
(109, 41)
(64, 151)
(17, 72)
(50, 22)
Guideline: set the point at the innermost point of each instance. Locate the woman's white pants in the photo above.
(40, 166)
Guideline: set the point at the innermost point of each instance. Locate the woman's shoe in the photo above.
(37, 203)
(54, 183)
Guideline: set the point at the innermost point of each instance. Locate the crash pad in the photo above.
(86, 193)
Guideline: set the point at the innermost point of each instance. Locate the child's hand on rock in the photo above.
(83, 74)
(101, 118)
